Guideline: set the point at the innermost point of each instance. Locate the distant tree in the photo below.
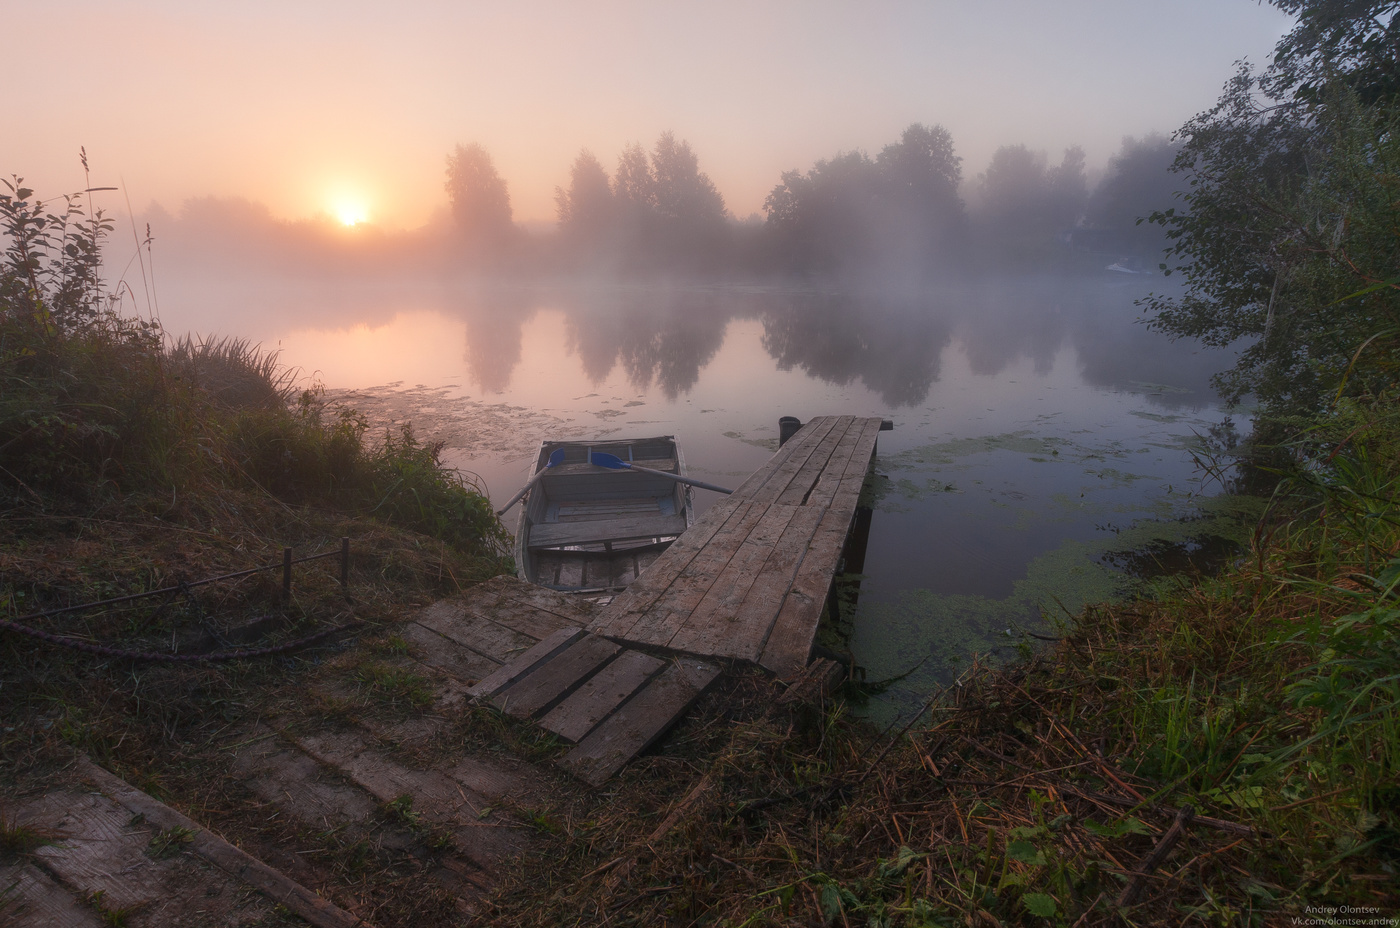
(480, 200)
(1138, 183)
(1068, 190)
(1024, 204)
(668, 212)
(922, 172)
(587, 212)
(690, 212)
(826, 221)
(682, 193)
(633, 182)
(854, 214)
(918, 185)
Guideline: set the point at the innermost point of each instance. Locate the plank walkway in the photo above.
(612, 702)
(750, 579)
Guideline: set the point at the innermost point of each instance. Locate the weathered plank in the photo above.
(519, 666)
(483, 838)
(281, 773)
(846, 494)
(581, 712)
(551, 681)
(624, 612)
(537, 612)
(755, 615)
(711, 626)
(790, 642)
(818, 463)
(214, 849)
(30, 898)
(819, 488)
(468, 628)
(640, 721)
(797, 448)
(661, 622)
(825, 431)
(555, 534)
(436, 651)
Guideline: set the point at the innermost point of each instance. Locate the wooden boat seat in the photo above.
(556, 534)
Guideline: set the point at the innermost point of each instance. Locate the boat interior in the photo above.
(585, 527)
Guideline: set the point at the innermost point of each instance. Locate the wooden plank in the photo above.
(666, 464)
(609, 688)
(555, 534)
(508, 673)
(790, 642)
(430, 648)
(570, 570)
(660, 623)
(214, 849)
(844, 490)
(755, 615)
(545, 685)
(814, 450)
(280, 773)
(640, 721)
(800, 444)
(711, 627)
(818, 463)
(470, 629)
(30, 898)
(538, 612)
(623, 613)
(820, 491)
(439, 799)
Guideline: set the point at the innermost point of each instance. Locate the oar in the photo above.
(554, 458)
(603, 459)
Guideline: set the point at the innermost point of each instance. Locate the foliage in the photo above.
(1024, 204)
(480, 200)
(1288, 241)
(93, 403)
(1137, 183)
(852, 213)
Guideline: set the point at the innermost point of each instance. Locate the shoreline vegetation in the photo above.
(1222, 750)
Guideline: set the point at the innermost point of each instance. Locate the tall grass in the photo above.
(95, 402)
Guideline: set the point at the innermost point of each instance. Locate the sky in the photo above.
(349, 108)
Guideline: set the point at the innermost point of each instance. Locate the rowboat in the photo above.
(591, 527)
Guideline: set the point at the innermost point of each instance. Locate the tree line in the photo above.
(903, 214)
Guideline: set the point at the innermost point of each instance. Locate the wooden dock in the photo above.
(749, 580)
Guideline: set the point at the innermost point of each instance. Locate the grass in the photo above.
(1263, 698)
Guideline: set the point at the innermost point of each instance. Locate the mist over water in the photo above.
(1036, 417)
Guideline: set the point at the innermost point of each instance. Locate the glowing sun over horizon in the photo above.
(350, 213)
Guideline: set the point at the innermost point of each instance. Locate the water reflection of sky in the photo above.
(1033, 418)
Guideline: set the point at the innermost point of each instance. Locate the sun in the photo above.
(351, 213)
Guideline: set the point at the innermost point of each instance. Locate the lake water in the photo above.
(1039, 424)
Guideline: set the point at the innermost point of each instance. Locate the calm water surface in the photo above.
(1037, 421)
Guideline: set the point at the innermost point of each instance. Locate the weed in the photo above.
(17, 840)
(169, 842)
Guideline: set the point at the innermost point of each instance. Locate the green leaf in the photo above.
(1025, 852)
(831, 902)
(1039, 904)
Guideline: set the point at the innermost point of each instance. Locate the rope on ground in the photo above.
(156, 656)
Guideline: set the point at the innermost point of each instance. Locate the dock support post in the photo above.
(788, 426)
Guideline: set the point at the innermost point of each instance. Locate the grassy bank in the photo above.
(1256, 707)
